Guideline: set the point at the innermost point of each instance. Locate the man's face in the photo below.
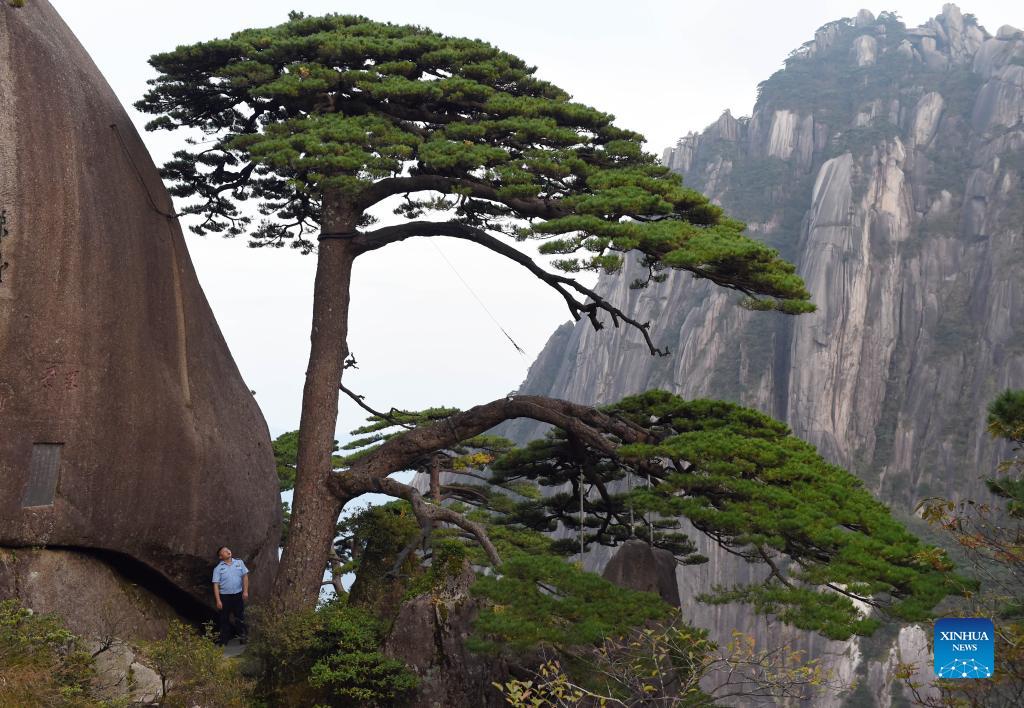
(225, 554)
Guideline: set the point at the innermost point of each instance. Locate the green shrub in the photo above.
(41, 662)
(194, 671)
(328, 657)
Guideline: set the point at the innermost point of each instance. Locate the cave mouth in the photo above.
(134, 571)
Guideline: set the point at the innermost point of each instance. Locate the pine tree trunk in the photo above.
(314, 509)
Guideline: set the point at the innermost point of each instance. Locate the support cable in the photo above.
(477, 298)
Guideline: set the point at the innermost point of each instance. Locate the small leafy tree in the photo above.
(319, 119)
(42, 664)
(194, 671)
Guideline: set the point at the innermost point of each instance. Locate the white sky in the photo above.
(663, 67)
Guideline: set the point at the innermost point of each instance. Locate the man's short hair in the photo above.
(219, 549)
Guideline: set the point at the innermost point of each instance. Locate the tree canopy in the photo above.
(316, 122)
(341, 105)
(735, 475)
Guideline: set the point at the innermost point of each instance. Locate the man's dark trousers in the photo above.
(233, 605)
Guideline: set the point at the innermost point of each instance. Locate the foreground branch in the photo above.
(597, 430)
(361, 402)
(427, 513)
(382, 189)
(402, 452)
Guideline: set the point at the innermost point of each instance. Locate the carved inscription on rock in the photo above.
(6, 398)
(58, 377)
(4, 265)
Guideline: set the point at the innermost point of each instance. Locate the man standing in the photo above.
(231, 591)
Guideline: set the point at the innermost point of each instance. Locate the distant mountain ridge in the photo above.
(888, 164)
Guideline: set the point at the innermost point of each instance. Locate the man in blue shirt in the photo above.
(230, 590)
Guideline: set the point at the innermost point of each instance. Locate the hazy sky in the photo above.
(663, 68)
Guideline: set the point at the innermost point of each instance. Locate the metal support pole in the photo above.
(629, 488)
(650, 515)
(582, 518)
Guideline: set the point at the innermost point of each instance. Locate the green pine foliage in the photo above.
(330, 656)
(346, 108)
(740, 478)
(286, 451)
(744, 480)
(378, 429)
(540, 600)
(1006, 421)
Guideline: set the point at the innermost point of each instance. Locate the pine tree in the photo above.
(319, 119)
(1006, 421)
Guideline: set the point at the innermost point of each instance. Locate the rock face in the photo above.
(897, 187)
(128, 435)
(121, 676)
(92, 599)
(637, 566)
(429, 635)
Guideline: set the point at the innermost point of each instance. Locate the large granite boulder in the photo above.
(126, 431)
(637, 566)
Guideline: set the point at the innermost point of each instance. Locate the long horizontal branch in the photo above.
(563, 285)
(401, 452)
(438, 183)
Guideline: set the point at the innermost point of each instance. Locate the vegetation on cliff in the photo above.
(991, 538)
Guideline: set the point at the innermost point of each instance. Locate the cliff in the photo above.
(887, 163)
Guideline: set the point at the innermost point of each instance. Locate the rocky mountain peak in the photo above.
(1008, 33)
(888, 163)
(864, 18)
(949, 38)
